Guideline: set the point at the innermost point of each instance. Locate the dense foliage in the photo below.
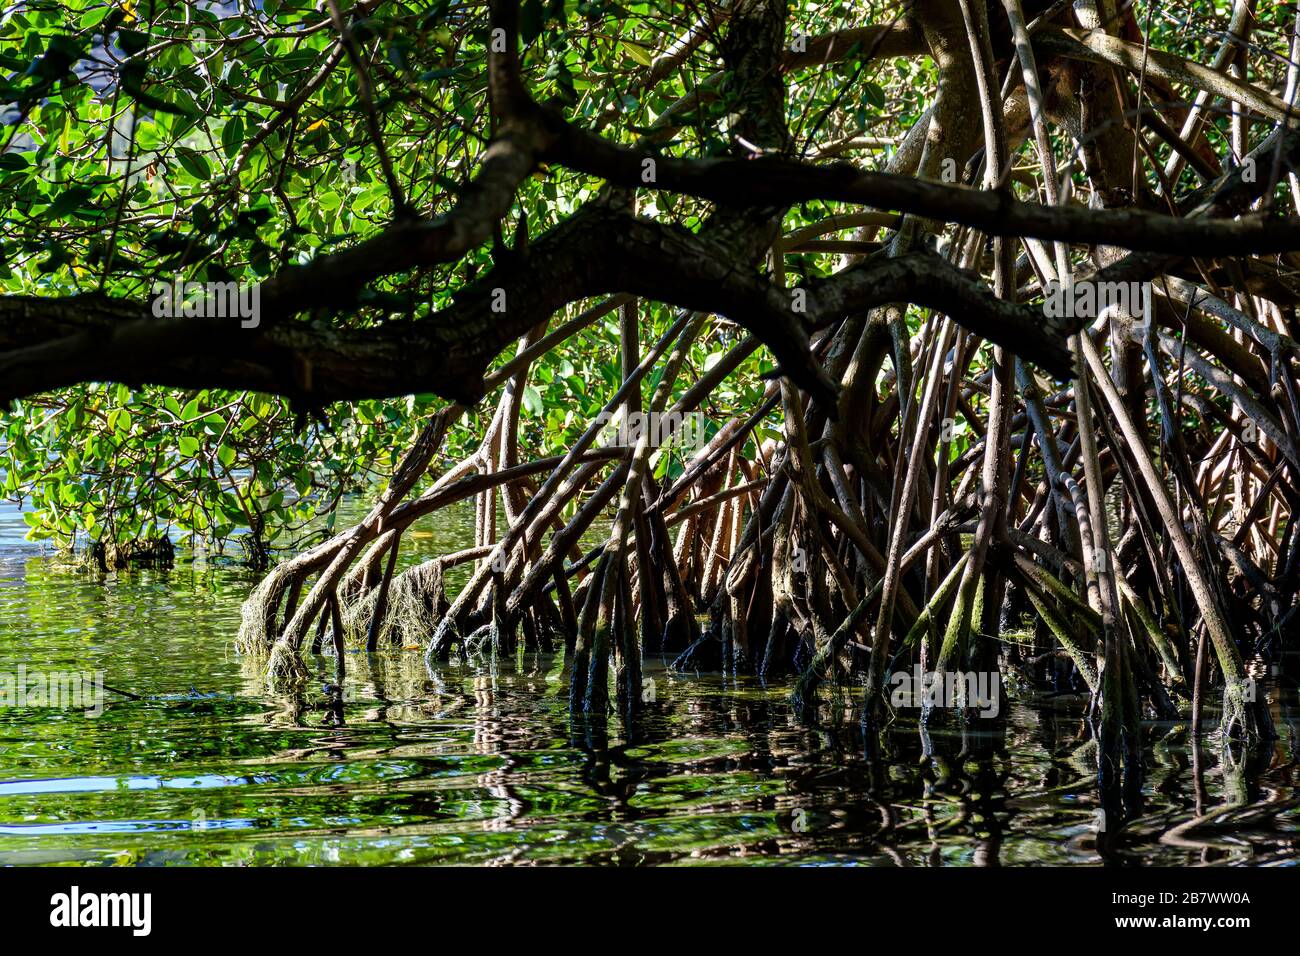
(192, 142)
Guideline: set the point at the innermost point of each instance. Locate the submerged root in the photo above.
(416, 602)
(258, 611)
(285, 665)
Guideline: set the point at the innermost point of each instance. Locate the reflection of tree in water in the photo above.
(715, 769)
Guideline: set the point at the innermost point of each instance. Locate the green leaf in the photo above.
(133, 76)
(193, 163)
(72, 198)
(533, 401)
(531, 19)
(132, 41)
(637, 52)
(94, 16)
(232, 136)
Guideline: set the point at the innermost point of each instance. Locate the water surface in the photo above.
(479, 763)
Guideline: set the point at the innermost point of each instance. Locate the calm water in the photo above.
(480, 763)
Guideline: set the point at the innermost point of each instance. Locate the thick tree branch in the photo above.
(927, 279)
(775, 181)
(48, 343)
